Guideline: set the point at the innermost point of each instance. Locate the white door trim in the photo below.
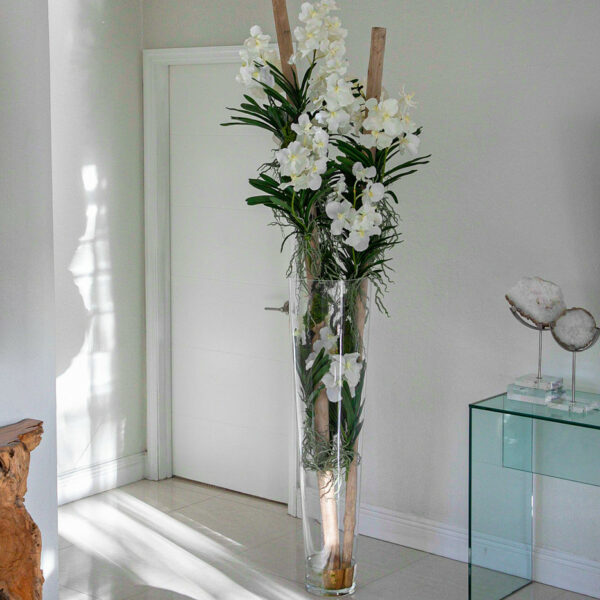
(158, 255)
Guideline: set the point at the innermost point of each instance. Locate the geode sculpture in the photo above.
(537, 300)
(575, 329)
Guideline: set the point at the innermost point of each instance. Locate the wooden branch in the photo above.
(374, 79)
(284, 38)
(20, 538)
(375, 73)
(326, 481)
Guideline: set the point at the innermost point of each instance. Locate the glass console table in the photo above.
(509, 441)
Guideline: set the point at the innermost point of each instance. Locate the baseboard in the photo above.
(567, 571)
(86, 481)
(414, 532)
(551, 567)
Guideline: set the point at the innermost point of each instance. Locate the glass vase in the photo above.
(329, 325)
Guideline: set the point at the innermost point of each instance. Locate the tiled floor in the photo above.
(175, 540)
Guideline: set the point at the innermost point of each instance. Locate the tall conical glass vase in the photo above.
(330, 332)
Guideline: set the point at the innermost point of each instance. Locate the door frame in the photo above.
(157, 168)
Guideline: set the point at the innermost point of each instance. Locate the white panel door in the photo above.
(231, 365)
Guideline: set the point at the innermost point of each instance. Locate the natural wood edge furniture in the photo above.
(21, 577)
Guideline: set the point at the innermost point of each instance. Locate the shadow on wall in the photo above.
(96, 121)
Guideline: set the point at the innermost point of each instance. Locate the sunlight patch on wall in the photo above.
(84, 389)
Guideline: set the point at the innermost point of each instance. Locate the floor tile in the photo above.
(284, 556)
(179, 540)
(387, 557)
(411, 586)
(441, 569)
(167, 495)
(236, 525)
(67, 594)
(88, 574)
(255, 502)
(63, 543)
(573, 596)
(537, 591)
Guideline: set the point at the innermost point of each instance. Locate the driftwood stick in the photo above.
(20, 538)
(326, 480)
(375, 73)
(284, 38)
(374, 78)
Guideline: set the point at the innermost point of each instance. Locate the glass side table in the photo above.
(509, 441)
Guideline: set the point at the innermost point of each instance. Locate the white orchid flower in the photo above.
(352, 368)
(257, 40)
(310, 360)
(407, 100)
(383, 116)
(320, 141)
(335, 50)
(327, 339)
(335, 31)
(411, 143)
(300, 332)
(309, 38)
(308, 13)
(363, 173)
(339, 92)
(358, 239)
(303, 126)
(328, 5)
(298, 182)
(293, 159)
(373, 193)
(366, 223)
(342, 215)
(339, 187)
(316, 170)
(376, 139)
(336, 119)
(333, 379)
(342, 368)
(368, 216)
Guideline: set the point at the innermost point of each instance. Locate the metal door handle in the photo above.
(284, 309)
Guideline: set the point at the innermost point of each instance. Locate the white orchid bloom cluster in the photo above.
(360, 224)
(257, 52)
(322, 39)
(334, 106)
(343, 367)
(387, 120)
(305, 159)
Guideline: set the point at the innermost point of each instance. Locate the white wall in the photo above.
(26, 281)
(509, 94)
(98, 218)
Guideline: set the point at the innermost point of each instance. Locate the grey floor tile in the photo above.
(178, 540)
(387, 557)
(234, 524)
(91, 575)
(167, 495)
(440, 569)
(405, 585)
(67, 594)
(537, 591)
(284, 556)
(573, 596)
(63, 543)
